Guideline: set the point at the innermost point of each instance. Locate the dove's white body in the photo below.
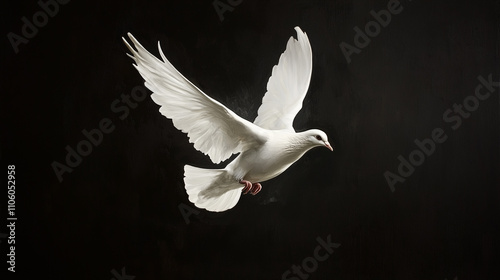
(266, 147)
(280, 151)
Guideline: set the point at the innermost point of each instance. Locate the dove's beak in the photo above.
(328, 146)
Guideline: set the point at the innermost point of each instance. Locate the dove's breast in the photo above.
(267, 161)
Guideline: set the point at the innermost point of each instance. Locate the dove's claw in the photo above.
(256, 188)
(247, 187)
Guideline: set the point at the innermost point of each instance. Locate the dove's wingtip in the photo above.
(299, 31)
(127, 44)
(131, 36)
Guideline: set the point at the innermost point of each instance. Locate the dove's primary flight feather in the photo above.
(287, 86)
(214, 129)
(267, 147)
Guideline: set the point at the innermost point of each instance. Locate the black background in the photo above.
(120, 206)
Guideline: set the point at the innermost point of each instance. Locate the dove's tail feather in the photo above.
(211, 189)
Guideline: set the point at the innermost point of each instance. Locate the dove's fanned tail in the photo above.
(211, 189)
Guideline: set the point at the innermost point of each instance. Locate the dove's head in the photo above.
(318, 138)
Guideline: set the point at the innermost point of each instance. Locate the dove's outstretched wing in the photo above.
(214, 129)
(287, 86)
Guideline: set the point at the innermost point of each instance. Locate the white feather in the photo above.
(211, 189)
(214, 129)
(267, 148)
(287, 86)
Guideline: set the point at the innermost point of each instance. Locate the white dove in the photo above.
(266, 147)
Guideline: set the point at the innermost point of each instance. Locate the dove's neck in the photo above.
(299, 144)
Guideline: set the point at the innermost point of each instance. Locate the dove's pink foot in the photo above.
(256, 188)
(249, 187)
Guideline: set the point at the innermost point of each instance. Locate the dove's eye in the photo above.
(319, 138)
